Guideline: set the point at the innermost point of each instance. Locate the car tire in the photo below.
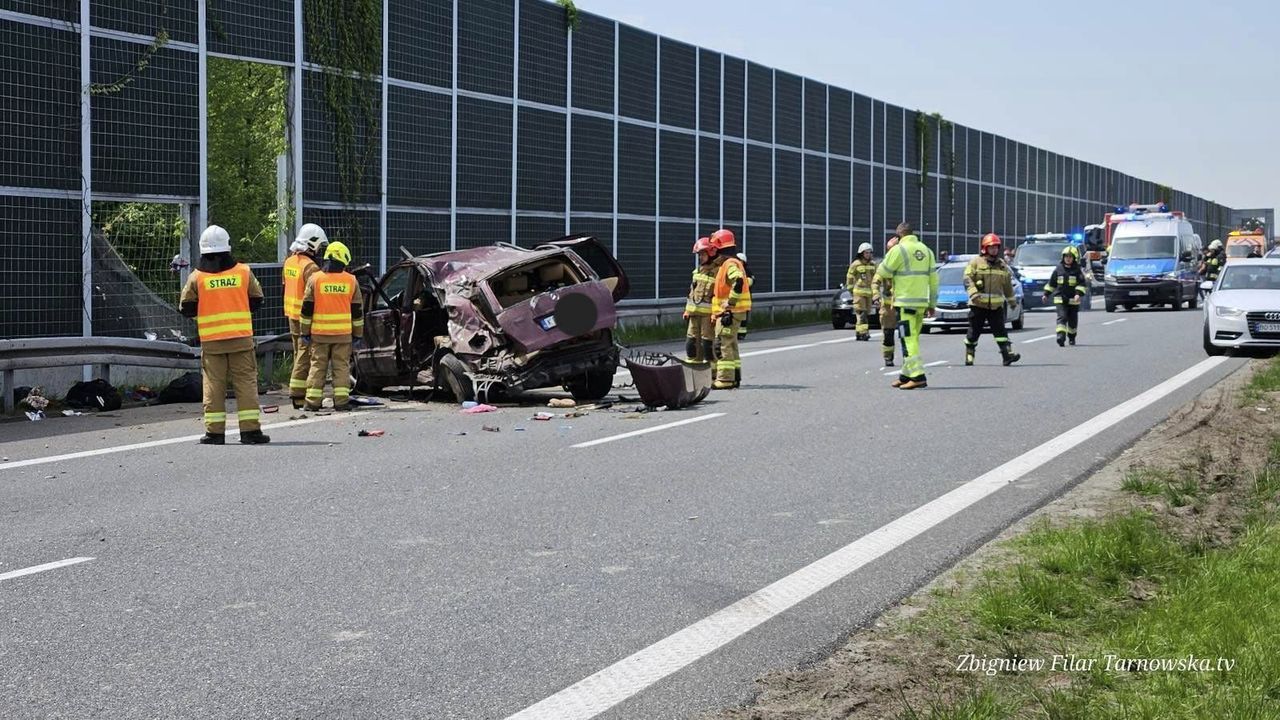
(591, 386)
(1177, 303)
(837, 324)
(1109, 307)
(1128, 307)
(451, 376)
(1194, 302)
(1209, 348)
(1017, 324)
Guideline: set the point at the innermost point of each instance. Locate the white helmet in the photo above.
(214, 240)
(1216, 244)
(742, 257)
(312, 238)
(865, 248)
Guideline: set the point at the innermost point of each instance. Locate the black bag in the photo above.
(187, 389)
(97, 394)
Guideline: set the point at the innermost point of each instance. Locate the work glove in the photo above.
(306, 340)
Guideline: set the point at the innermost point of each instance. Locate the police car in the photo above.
(1035, 261)
(953, 299)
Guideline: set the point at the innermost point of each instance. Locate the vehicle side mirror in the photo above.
(1206, 285)
(1186, 256)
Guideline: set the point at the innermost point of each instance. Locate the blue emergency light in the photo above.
(1077, 237)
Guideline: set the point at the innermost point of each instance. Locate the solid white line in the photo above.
(627, 677)
(646, 431)
(41, 568)
(1045, 337)
(156, 443)
(937, 363)
(1113, 322)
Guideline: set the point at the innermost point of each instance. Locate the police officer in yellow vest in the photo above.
(990, 286)
(697, 306)
(1067, 286)
(221, 295)
(332, 321)
(910, 266)
(858, 280)
(883, 287)
(298, 268)
(730, 302)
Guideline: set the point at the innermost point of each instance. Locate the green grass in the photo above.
(760, 320)
(980, 705)
(1179, 488)
(1264, 381)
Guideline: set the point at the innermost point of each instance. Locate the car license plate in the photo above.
(547, 322)
(1138, 293)
(1268, 328)
(954, 315)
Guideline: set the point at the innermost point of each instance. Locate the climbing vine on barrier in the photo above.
(925, 132)
(571, 18)
(345, 39)
(139, 66)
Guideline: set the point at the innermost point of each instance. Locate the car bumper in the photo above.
(1142, 293)
(849, 317)
(1240, 333)
(554, 368)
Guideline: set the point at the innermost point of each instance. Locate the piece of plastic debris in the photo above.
(72, 413)
(633, 416)
(542, 416)
(491, 428)
(149, 335)
(459, 433)
(476, 409)
(469, 404)
(519, 429)
(371, 433)
(693, 517)
(562, 403)
(36, 416)
(270, 408)
(4, 459)
(365, 401)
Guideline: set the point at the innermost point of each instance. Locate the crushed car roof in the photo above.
(477, 262)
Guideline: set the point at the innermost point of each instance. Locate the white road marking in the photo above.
(1043, 337)
(41, 568)
(1113, 322)
(648, 430)
(937, 363)
(627, 677)
(158, 443)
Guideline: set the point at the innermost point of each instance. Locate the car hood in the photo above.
(952, 294)
(1145, 266)
(1247, 300)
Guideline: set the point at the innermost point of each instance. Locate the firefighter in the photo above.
(883, 287)
(910, 267)
(730, 302)
(751, 278)
(221, 295)
(697, 307)
(332, 321)
(298, 268)
(1213, 261)
(989, 283)
(858, 280)
(1067, 285)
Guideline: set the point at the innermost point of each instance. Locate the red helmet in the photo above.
(722, 239)
(703, 245)
(989, 240)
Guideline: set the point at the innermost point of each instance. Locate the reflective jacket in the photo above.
(223, 309)
(884, 288)
(1067, 284)
(297, 268)
(988, 282)
(332, 310)
(859, 277)
(732, 288)
(700, 292)
(1213, 266)
(910, 266)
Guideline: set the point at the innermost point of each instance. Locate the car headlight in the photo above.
(1228, 312)
(846, 297)
(1109, 278)
(1172, 275)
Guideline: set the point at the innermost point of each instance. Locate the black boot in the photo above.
(737, 378)
(706, 351)
(691, 348)
(298, 403)
(1072, 340)
(888, 361)
(253, 437)
(1062, 339)
(1010, 357)
(213, 439)
(969, 354)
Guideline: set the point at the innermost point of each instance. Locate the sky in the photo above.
(1179, 93)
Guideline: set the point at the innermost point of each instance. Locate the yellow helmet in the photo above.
(1072, 251)
(338, 251)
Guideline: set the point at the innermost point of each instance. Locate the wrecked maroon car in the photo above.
(495, 321)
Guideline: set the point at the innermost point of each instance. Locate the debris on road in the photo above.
(365, 401)
(72, 413)
(270, 408)
(36, 416)
(476, 409)
(543, 416)
(519, 429)
(491, 428)
(562, 403)
(664, 380)
(576, 414)
(371, 433)
(467, 405)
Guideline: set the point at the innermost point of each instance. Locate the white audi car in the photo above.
(1243, 309)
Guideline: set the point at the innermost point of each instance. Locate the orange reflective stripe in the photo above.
(333, 294)
(223, 310)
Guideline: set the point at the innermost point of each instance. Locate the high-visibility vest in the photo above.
(724, 298)
(910, 265)
(295, 283)
(333, 294)
(223, 304)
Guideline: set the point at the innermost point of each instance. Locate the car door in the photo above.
(601, 261)
(383, 324)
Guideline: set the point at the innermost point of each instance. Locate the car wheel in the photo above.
(1209, 348)
(1194, 302)
(451, 375)
(1129, 307)
(837, 323)
(361, 384)
(1177, 303)
(1017, 324)
(1109, 307)
(591, 386)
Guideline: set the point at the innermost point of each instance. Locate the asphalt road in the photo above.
(431, 574)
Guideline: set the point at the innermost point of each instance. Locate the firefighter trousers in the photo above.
(1068, 319)
(728, 361)
(240, 371)
(980, 318)
(326, 358)
(862, 314)
(888, 323)
(301, 362)
(910, 323)
(699, 338)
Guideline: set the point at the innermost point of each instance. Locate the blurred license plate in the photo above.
(547, 322)
(1138, 293)
(955, 315)
(1268, 328)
